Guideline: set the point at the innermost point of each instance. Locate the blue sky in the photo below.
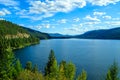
(62, 16)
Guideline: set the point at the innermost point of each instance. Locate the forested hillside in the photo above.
(38, 34)
(15, 36)
(101, 34)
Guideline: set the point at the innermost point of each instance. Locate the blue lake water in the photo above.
(94, 56)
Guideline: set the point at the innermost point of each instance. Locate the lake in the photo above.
(94, 56)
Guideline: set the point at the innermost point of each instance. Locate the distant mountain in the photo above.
(57, 35)
(38, 34)
(101, 34)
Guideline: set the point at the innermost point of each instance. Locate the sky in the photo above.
(69, 17)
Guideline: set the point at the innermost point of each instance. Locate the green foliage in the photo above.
(82, 76)
(28, 65)
(108, 76)
(38, 34)
(12, 70)
(6, 64)
(18, 66)
(35, 69)
(15, 36)
(66, 71)
(28, 75)
(113, 72)
(51, 68)
(70, 71)
(62, 69)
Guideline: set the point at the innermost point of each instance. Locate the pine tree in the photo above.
(113, 72)
(82, 76)
(18, 66)
(108, 76)
(35, 69)
(28, 65)
(6, 64)
(70, 71)
(62, 68)
(51, 68)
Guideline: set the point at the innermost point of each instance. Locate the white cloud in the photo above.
(45, 21)
(47, 26)
(4, 12)
(116, 19)
(77, 25)
(21, 25)
(22, 12)
(76, 19)
(26, 14)
(99, 13)
(73, 29)
(62, 21)
(16, 8)
(107, 17)
(49, 8)
(40, 26)
(89, 18)
(9, 2)
(91, 23)
(2, 19)
(113, 23)
(102, 2)
(40, 9)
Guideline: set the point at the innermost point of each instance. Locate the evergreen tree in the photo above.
(6, 64)
(51, 68)
(35, 69)
(28, 75)
(62, 68)
(18, 66)
(70, 71)
(82, 76)
(108, 76)
(28, 65)
(113, 72)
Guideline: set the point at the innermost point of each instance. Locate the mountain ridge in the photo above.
(113, 33)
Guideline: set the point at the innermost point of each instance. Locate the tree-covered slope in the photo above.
(38, 34)
(101, 34)
(16, 36)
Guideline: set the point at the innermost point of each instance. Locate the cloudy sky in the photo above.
(62, 16)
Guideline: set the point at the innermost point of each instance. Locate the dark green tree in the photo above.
(51, 68)
(28, 66)
(113, 72)
(82, 76)
(6, 64)
(35, 69)
(18, 66)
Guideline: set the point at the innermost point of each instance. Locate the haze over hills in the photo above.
(113, 33)
(58, 35)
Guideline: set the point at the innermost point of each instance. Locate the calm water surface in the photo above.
(95, 56)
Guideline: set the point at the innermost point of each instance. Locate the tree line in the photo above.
(11, 69)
